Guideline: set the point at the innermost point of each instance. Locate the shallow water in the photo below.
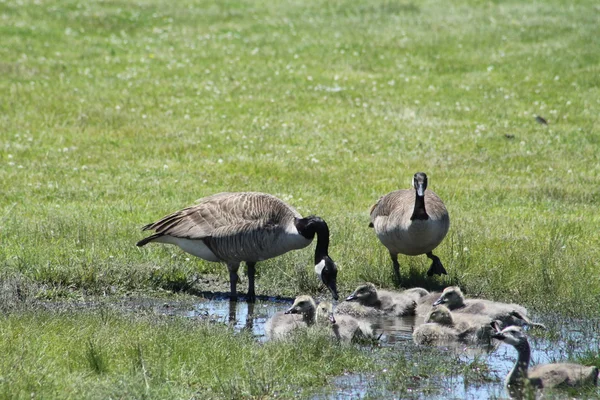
(576, 337)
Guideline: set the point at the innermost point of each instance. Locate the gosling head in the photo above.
(440, 315)
(512, 335)
(365, 294)
(420, 183)
(302, 305)
(452, 297)
(325, 312)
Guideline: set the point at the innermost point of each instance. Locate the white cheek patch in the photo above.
(319, 268)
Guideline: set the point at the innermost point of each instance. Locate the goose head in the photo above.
(326, 270)
(304, 305)
(440, 315)
(452, 297)
(512, 335)
(364, 294)
(325, 312)
(420, 183)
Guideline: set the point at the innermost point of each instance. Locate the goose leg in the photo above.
(233, 279)
(436, 266)
(394, 258)
(251, 271)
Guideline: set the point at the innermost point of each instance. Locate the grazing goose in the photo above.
(385, 302)
(545, 375)
(300, 315)
(343, 327)
(245, 226)
(470, 327)
(508, 314)
(411, 223)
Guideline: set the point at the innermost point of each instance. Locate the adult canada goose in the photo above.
(544, 375)
(387, 302)
(300, 315)
(508, 314)
(233, 227)
(411, 222)
(343, 327)
(470, 327)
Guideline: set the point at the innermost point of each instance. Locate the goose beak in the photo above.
(333, 289)
(420, 189)
(352, 297)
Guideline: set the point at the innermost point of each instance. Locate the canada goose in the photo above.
(469, 326)
(245, 226)
(386, 302)
(411, 223)
(544, 375)
(300, 315)
(509, 314)
(343, 327)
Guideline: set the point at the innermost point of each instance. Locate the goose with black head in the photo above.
(411, 222)
(236, 227)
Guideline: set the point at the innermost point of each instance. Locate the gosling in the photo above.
(470, 327)
(386, 302)
(432, 333)
(300, 315)
(542, 376)
(508, 314)
(343, 327)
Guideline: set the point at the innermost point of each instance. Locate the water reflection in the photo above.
(572, 338)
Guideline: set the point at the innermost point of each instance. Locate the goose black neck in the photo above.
(419, 212)
(519, 372)
(310, 226)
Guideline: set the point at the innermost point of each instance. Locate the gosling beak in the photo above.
(331, 318)
(439, 301)
(291, 310)
(352, 297)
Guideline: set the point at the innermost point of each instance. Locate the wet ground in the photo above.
(567, 339)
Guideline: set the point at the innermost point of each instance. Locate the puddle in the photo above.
(576, 337)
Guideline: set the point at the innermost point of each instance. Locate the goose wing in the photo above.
(225, 214)
(401, 201)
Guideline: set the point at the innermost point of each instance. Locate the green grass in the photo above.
(106, 354)
(115, 113)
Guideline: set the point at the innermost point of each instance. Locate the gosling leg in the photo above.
(436, 266)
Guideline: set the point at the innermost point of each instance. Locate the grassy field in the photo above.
(115, 113)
